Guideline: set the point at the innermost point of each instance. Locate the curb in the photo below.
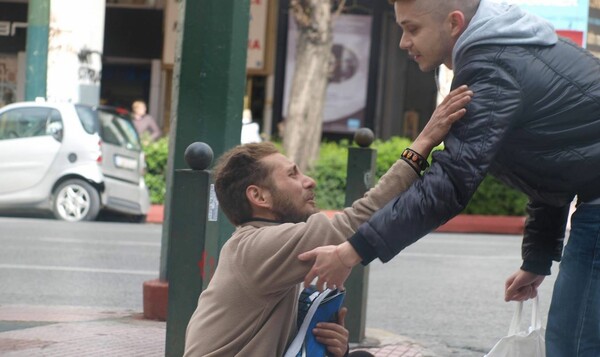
(463, 223)
(155, 214)
(484, 224)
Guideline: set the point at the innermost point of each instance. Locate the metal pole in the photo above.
(359, 179)
(208, 91)
(188, 264)
(208, 94)
(38, 23)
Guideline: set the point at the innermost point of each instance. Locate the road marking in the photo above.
(98, 242)
(78, 269)
(460, 256)
(492, 241)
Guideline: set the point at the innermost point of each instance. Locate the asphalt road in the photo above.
(49, 262)
(445, 291)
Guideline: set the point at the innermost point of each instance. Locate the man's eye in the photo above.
(410, 29)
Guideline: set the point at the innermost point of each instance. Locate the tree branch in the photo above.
(339, 10)
(300, 11)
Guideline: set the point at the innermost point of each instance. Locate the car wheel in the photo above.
(76, 200)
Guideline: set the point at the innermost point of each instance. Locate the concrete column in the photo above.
(75, 46)
(155, 100)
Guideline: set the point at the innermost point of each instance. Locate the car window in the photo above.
(87, 117)
(28, 122)
(118, 130)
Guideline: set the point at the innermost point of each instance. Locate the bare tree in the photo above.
(303, 124)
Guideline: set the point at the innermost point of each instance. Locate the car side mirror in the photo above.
(55, 129)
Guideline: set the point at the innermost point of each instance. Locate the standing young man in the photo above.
(250, 305)
(534, 123)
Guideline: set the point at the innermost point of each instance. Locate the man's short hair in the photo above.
(237, 169)
(442, 7)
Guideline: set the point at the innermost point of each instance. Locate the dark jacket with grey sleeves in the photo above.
(534, 122)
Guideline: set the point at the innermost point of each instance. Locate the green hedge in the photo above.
(495, 198)
(491, 198)
(157, 154)
(330, 173)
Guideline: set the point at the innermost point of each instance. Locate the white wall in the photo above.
(76, 27)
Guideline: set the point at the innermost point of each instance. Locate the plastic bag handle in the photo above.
(516, 319)
(536, 321)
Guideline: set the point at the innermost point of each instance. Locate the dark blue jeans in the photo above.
(573, 328)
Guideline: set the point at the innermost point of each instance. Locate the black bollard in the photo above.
(190, 262)
(359, 179)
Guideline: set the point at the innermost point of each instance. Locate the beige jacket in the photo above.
(249, 307)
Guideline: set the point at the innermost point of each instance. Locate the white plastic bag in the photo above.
(518, 343)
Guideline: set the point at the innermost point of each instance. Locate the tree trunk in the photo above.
(303, 125)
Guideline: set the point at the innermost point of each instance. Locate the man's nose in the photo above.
(404, 42)
(309, 182)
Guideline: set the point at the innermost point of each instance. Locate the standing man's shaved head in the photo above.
(442, 8)
(431, 28)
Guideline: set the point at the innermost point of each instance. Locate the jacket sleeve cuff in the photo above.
(536, 267)
(363, 248)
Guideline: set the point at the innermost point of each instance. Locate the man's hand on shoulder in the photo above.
(333, 264)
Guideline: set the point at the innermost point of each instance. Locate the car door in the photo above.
(121, 149)
(29, 142)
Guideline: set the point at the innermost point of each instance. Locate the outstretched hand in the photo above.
(522, 285)
(451, 109)
(334, 335)
(329, 267)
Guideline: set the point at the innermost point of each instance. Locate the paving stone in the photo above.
(76, 332)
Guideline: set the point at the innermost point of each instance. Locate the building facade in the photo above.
(373, 83)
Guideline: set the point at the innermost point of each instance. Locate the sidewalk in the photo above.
(459, 224)
(31, 331)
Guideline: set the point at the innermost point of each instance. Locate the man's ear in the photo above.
(457, 23)
(258, 196)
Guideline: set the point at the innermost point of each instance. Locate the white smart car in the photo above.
(72, 159)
